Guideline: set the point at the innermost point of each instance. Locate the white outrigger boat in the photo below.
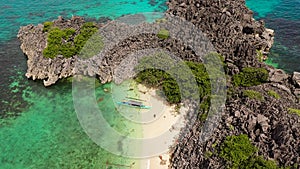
(134, 103)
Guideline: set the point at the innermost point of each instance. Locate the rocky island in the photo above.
(262, 114)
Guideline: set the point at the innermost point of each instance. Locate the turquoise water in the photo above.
(283, 16)
(39, 126)
(48, 134)
(16, 13)
(263, 7)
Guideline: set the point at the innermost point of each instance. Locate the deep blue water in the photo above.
(284, 17)
(49, 113)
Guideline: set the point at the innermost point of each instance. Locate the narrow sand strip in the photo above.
(159, 119)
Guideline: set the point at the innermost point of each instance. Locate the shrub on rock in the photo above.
(59, 43)
(47, 26)
(251, 77)
(294, 111)
(273, 94)
(163, 34)
(241, 154)
(67, 42)
(237, 149)
(253, 95)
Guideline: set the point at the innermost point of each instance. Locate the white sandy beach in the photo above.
(161, 118)
(160, 124)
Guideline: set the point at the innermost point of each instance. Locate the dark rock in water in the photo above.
(152, 2)
(132, 19)
(278, 75)
(102, 19)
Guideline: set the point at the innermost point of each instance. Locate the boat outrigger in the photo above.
(134, 104)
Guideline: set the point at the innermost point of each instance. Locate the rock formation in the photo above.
(237, 36)
(34, 41)
(230, 27)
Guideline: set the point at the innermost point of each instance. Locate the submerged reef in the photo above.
(262, 106)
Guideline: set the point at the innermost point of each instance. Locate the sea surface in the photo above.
(283, 16)
(39, 126)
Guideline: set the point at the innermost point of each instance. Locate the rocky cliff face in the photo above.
(230, 27)
(128, 39)
(237, 36)
(34, 41)
(267, 123)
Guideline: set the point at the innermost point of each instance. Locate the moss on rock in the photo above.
(251, 77)
(294, 111)
(274, 94)
(253, 95)
(163, 34)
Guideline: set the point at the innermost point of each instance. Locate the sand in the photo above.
(161, 118)
(160, 124)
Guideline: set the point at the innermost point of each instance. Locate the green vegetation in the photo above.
(59, 43)
(161, 72)
(258, 162)
(240, 153)
(208, 154)
(215, 144)
(214, 62)
(161, 20)
(294, 111)
(203, 116)
(273, 94)
(201, 76)
(47, 26)
(237, 149)
(231, 127)
(94, 45)
(295, 166)
(163, 34)
(204, 107)
(259, 55)
(253, 95)
(160, 79)
(65, 42)
(250, 77)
